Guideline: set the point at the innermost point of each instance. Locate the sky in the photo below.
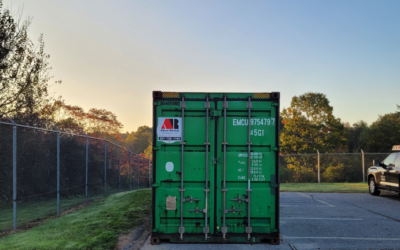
(113, 54)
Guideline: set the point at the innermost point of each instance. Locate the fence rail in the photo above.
(44, 172)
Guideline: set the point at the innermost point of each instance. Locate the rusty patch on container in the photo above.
(261, 95)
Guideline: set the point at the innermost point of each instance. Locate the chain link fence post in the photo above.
(363, 165)
(130, 173)
(319, 170)
(138, 173)
(58, 174)
(119, 169)
(15, 178)
(105, 168)
(87, 165)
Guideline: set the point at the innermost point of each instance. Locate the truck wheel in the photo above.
(373, 189)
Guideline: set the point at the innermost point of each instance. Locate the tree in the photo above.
(382, 134)
(74, 119)
(140, 140)
(104, 121)
(149, 150)
(309, 125)
(129, 141)
(24, 69)
(65, 117)
(342, 168)
(353, 135)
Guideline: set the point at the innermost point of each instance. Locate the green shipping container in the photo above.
(215, 167)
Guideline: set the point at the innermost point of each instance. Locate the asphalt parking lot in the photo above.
(327, 221)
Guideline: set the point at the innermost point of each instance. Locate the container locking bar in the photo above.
(183, 106)
(248, 228)
(197, 210)
(224, 229)
(233, 210)
(206, 229)
(239, 199)
(191, 199)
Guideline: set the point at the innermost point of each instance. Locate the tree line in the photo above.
(308, 126)
(25, 82)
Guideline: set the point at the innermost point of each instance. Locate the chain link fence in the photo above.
(45, 172)
(330, 167)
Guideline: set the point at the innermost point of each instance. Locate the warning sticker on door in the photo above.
(169, 130)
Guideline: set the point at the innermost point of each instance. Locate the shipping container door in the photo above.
(234, 142)
(170, 121)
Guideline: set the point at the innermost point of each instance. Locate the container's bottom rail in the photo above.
(272, 238)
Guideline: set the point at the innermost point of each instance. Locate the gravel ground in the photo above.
(327, 221)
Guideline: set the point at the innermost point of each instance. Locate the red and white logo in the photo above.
(170, 124)
(168, 129)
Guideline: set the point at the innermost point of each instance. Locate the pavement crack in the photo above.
(315, 199)
(377, 213)
(290, 245)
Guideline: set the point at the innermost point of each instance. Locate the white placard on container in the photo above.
(169, 129)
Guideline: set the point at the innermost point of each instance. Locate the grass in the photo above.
(325, 187)
(35, 211)
(96, 226)
(44, 207)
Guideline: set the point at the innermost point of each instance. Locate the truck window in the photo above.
(397, 162)
(390, 159)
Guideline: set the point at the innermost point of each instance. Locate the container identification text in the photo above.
(255, 121)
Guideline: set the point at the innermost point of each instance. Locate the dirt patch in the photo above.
(136, 238)
(37, 222)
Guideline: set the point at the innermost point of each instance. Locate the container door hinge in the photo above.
(274, 185)
(156, 148)
(273, 181)
(155, 185)
(275, 148)
(275, 104)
